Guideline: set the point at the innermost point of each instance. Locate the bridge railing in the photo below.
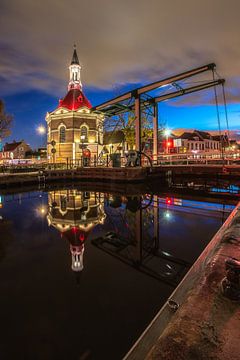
(162, 160)
(198, 159)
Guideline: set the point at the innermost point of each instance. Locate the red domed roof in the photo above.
(76, 236)
(75, 99)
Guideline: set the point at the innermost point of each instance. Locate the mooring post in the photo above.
(155, 133)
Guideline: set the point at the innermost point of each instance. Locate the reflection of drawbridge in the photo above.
(141, 251)
(75, 213)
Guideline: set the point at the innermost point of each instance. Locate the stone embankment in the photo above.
(206, 325)
(119, 174)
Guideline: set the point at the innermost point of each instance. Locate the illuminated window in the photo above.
(84, 133)
(62, 134)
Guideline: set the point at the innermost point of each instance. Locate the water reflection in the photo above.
(134, 238)
(74, 214)
(136, 247)
(131, 232)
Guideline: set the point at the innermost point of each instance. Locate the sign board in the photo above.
(53, 142)
(53, 151)
(177, 142)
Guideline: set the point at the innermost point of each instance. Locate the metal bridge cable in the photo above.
(224, 101)
(225, 108)
(218, 115)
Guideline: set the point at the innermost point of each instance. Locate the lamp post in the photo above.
(41, 130)
(82, 137)
(166, 133)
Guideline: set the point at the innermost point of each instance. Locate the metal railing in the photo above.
(162, 160)
(198, 159)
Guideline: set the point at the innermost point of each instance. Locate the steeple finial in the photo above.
(75, 68)
(75, 57)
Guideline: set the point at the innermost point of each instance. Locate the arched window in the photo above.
(84, 133)
(62, 134)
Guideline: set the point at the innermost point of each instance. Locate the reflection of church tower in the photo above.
(73, 128)
(74, 214)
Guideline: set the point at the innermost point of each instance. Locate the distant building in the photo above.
(15, 150)
(198, 141)
(74, 131)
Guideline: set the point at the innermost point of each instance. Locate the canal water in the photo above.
(82, 272)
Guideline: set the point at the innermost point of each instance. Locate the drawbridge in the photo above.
(142, 99)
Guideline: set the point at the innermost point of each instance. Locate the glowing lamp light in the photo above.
(168, 201)
(81, 237)
(167, 132)
(41, 210)
(41, 130)
(167, 215)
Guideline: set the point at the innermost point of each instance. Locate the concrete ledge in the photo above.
(206, 325)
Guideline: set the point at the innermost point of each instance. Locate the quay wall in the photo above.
(204, 324)
(118, 174)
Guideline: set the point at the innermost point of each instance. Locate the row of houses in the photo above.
(186, 143)
(115, 142)
(199, 141)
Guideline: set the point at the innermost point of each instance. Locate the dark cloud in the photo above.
(118, 42)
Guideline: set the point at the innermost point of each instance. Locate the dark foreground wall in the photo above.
(206, 324)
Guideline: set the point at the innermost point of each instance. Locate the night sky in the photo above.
(121, 45)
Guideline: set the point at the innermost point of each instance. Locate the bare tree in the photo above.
(6, 121)
(126, 123)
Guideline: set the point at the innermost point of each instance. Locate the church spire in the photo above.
(75, 56)
(75, 69)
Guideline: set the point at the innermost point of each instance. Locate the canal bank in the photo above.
(119, 174)
(198, 322)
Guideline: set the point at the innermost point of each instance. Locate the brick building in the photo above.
(15, 150)
(74, 131)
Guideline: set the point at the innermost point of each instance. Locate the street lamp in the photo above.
(166, 133)
(41, 130)
(82, 137)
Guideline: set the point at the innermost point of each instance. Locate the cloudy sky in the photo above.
(120, 44)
